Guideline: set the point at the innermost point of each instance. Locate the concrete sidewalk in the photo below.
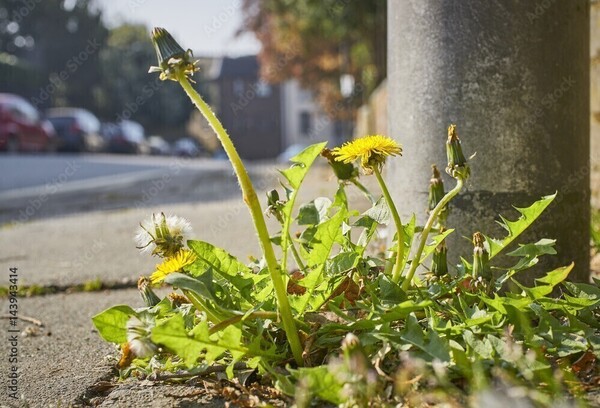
(66, 363)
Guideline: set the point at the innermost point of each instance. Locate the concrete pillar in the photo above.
(514, 76)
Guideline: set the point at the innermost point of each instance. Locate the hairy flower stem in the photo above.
(432, 217)
(251, 200)
(396, 271)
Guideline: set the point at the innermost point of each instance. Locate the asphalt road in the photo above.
(41, 186)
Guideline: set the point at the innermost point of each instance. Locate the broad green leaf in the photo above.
(191, 345)
(320, 381)
(556, 276)
(295, 175)
(402, 310)
(542, 247)
(482, 347)
(199, 290)
(583, 290)
(516, 228)
(224, 264)
(380, 212)
(413, 333)
(536, 292)
(111, 323)
(315, 212)
(343, 262)
(327, 234)
(301, 164)
(429, 248)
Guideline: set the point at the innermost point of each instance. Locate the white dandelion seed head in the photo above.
(144, 237)
(142, 347)
(178, 226)
(138, 337)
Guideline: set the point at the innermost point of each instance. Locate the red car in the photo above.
(22, 128)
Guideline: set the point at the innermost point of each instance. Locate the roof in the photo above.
(245, 67)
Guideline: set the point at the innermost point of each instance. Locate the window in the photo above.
(238, 87)
(263, 90)
(305, 123)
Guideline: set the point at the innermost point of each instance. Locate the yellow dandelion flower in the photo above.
(176, 263)
(371, 150)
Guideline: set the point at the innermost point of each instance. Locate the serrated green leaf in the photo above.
(111, 323)
(321, 382)
(516, 228)
(556, 276)
(343, 262)
(315, 212)
(542, 247)
(483, 348)
(301, 164)
(295, 176)
(435, 241)
(380, 212)
(412, 332)
(192, 344)
(225, 265)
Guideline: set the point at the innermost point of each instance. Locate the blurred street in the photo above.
(41, 186)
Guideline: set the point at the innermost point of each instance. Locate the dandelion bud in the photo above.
(354, 355)
(457, 164)
(439, 264)
(172, 58)
(481, 258)
(272, 198)
(436, 193)
(148, 295)
(342, 170)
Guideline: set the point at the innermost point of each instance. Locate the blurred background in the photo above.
(281, 75)
(288, 75)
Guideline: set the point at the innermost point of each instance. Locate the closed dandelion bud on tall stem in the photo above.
(436, 193)
(457, 164)
(481, 258)
(178, 66)
(439, 263)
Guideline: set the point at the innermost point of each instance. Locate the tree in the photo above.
(56, 38)
(319, 41)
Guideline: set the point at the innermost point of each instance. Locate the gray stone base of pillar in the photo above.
(514, 77)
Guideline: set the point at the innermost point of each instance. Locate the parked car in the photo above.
(22, 127)
(159, 146)
(186, 147)
(128, 137)
(77, 129)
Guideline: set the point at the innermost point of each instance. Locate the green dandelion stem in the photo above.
(396, 271)
(296, 255)
(432, 217)
(251, 200)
